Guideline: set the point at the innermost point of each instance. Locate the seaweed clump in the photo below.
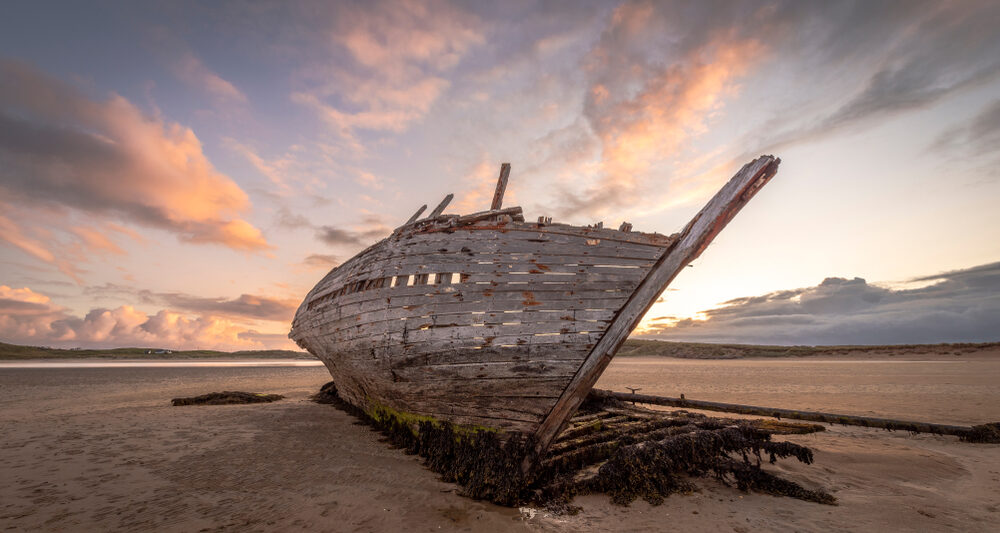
(621, 450)
(227, 398)
(486, 467)
(983, 433)
(653, 470)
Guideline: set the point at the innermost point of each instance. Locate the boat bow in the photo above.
(695, 237)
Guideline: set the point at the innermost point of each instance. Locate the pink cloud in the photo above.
(400, 52)
(643, 114)
(13, 234)
(109, 160)
(193, 71)
(29, 317)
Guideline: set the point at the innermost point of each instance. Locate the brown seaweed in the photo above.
(228, 398)
(984, 433)
(623, 451)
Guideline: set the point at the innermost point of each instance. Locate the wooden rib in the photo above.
(440, 208)
(501, 187)
(416, 215)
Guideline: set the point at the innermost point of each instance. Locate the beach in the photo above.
(101, 448)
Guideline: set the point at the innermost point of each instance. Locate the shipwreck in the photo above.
(494, 323)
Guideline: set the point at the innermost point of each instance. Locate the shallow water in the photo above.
(180, 363)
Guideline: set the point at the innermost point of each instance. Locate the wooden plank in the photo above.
(489, 354)
(526, 387)
(441, 207)
(498, 301)
(583, 310)
(501, 187)
(494, 239)
(694, 239)
(416, 215)
(463, 263)
(628, 278)
(572, 333)
(424, 331)
(502, 245)
(481, 370)
(429, 296)
(489, 291)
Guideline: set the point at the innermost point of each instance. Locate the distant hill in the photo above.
(14, 351)
(632, 347)
(694, 350)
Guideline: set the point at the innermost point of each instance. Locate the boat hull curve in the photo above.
(481, 326)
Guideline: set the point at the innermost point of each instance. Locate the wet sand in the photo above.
(102, 449)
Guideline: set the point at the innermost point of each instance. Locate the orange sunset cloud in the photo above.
(109, 159)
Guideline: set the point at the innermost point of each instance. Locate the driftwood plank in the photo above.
(814, 416)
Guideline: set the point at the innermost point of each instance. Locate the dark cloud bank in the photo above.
(959, 306)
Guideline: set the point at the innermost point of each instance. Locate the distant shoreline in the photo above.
(694, 350)
(632, 347)
(10, 352)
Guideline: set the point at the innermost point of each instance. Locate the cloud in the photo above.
(28, 317)
(14, 235)
(60, 149)
(321, 262)
(981, 135)
(276, 170)
(284, 217)
(371, 229)
(385, 63)
(662, 75)
(245, 307)
(958, 306)
(338, 236)
(911, 54)
(193, 71)
(648, 97)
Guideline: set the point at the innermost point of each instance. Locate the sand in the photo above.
(103, 449)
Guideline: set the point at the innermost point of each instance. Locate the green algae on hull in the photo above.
(385, 415)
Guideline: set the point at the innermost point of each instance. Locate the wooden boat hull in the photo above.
(487, 321)
(487, 338)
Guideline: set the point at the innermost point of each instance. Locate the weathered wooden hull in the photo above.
(488, 321)
(486, 338)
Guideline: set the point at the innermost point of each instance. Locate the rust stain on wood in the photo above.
(529, 299)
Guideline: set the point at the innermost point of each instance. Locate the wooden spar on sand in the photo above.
(813, 416)
(488, 321)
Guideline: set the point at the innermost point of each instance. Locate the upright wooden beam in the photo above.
(693, 240)
(440, 208)
(501, 187)
(416, 215)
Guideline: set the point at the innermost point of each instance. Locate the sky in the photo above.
(180, 174)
